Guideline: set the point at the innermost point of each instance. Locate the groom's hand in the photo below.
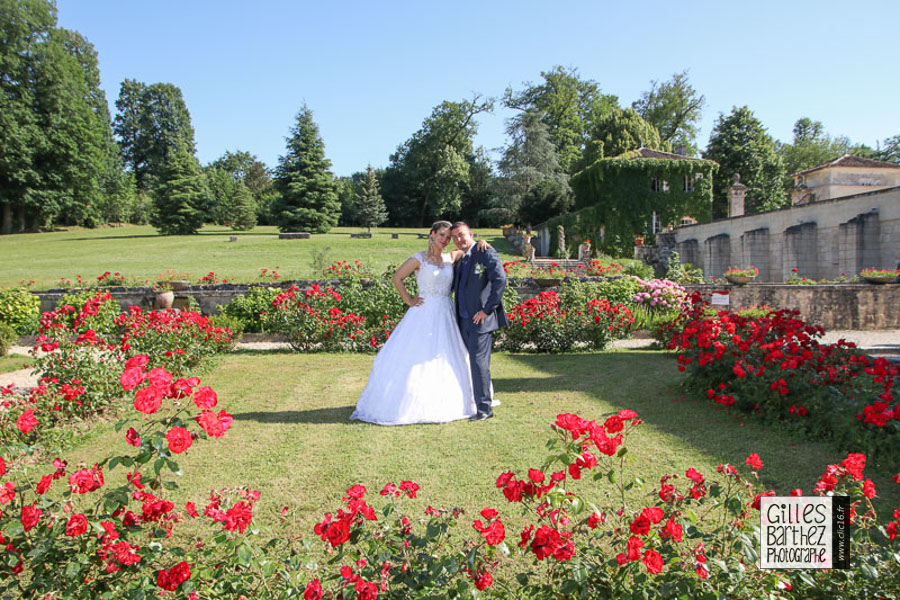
(479, 317)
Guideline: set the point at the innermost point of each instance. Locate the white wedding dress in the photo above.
(421, 375)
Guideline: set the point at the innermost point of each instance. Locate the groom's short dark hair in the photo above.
(459, 224)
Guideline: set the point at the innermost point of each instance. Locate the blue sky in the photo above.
(372, 72)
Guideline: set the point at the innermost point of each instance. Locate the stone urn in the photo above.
(164, 299)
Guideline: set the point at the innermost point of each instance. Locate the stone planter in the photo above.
(879, 280)
(739, 279)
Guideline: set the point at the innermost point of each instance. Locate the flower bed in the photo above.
(773, 366)
(105, 530)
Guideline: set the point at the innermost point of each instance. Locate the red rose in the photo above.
(672, 530)
(191, 509)
(410, 488)
(171, 579)
(131, 377)
(494, 533)
(595, 519)
(356, 491)
(640, 526)
(313, 591)
(205, 397)
(485, 581)
(338, 532)
(148, 400)
(653, 561)
(869, 489)
(137, 361)
(536, 475)
(159, 378)
(30, 516)
(26, 421)
(43, 485)
(132, 437)
(614, 424)
(86, 480)
(2, 467)
(7, 492)
(653, 514)
(179, 439)
(238, 517)
(753, 461)
(215, 425)
(489, 513)
(76, 525)
(634, 548)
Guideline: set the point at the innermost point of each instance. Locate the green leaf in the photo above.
(611, 476)
(158, 465)
(244, 555)
(577, 505)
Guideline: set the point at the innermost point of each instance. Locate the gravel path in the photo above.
(874, 342)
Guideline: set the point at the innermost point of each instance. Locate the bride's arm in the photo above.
(405, 270)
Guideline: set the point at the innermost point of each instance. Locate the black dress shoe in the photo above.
(481, 416)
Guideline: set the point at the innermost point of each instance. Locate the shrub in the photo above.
(95, 311)
(19, 309)
(254, 309)
(773, 367)
(546, 324)
(313, 321)
(8, 337)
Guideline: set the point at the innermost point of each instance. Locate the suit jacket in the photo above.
(484, 287)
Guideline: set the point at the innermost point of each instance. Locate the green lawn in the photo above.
(139, 252)
(14, 362)
(291, 438)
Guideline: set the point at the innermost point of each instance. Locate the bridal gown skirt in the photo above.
(421, 375)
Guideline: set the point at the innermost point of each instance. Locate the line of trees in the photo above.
(64, 160)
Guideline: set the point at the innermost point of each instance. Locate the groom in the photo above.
(478, 284)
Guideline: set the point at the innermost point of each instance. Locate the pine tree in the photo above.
(370, 206)
(309, 199)
(181, 194)
(242, 209)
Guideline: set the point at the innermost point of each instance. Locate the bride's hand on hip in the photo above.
(417, 301)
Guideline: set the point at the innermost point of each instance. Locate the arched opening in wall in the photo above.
(755, 252)
(689, 253)
(860, 243)
(801, 251)
(716, 255)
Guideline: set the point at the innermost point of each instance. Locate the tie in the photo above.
(463, 277)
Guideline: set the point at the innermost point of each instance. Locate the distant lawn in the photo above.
(292, 441)
(139, 252)
(14, 362)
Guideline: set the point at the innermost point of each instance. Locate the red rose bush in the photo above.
(774, 367)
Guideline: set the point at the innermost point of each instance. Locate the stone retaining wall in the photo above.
(844, 306)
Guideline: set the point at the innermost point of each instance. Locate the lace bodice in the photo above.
(434, 280)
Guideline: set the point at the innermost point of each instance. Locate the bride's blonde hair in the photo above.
(433, 252)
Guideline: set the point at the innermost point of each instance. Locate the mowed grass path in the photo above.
(139, 252)
(291, 438)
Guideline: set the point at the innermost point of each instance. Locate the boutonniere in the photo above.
(480, 269)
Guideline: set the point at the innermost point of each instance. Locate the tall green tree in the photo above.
(221, 187)
(812, 146)
(674, 108)
(248, 169)
(621, 131)
(241, 212)
(55, 135)
(370, 205)
(889, 150)
(24, 26)
(309, 200)
(430, 172)
(529, 160)
(570, 107)
(740, 144)
(180, 194)
(151, 121)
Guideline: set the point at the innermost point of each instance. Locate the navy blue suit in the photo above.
(478, 284)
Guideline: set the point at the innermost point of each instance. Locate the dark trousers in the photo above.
(479, 346)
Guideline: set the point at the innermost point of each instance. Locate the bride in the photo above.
(422, 375)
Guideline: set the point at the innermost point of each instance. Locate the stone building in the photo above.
(844, 176)
(821, 236)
